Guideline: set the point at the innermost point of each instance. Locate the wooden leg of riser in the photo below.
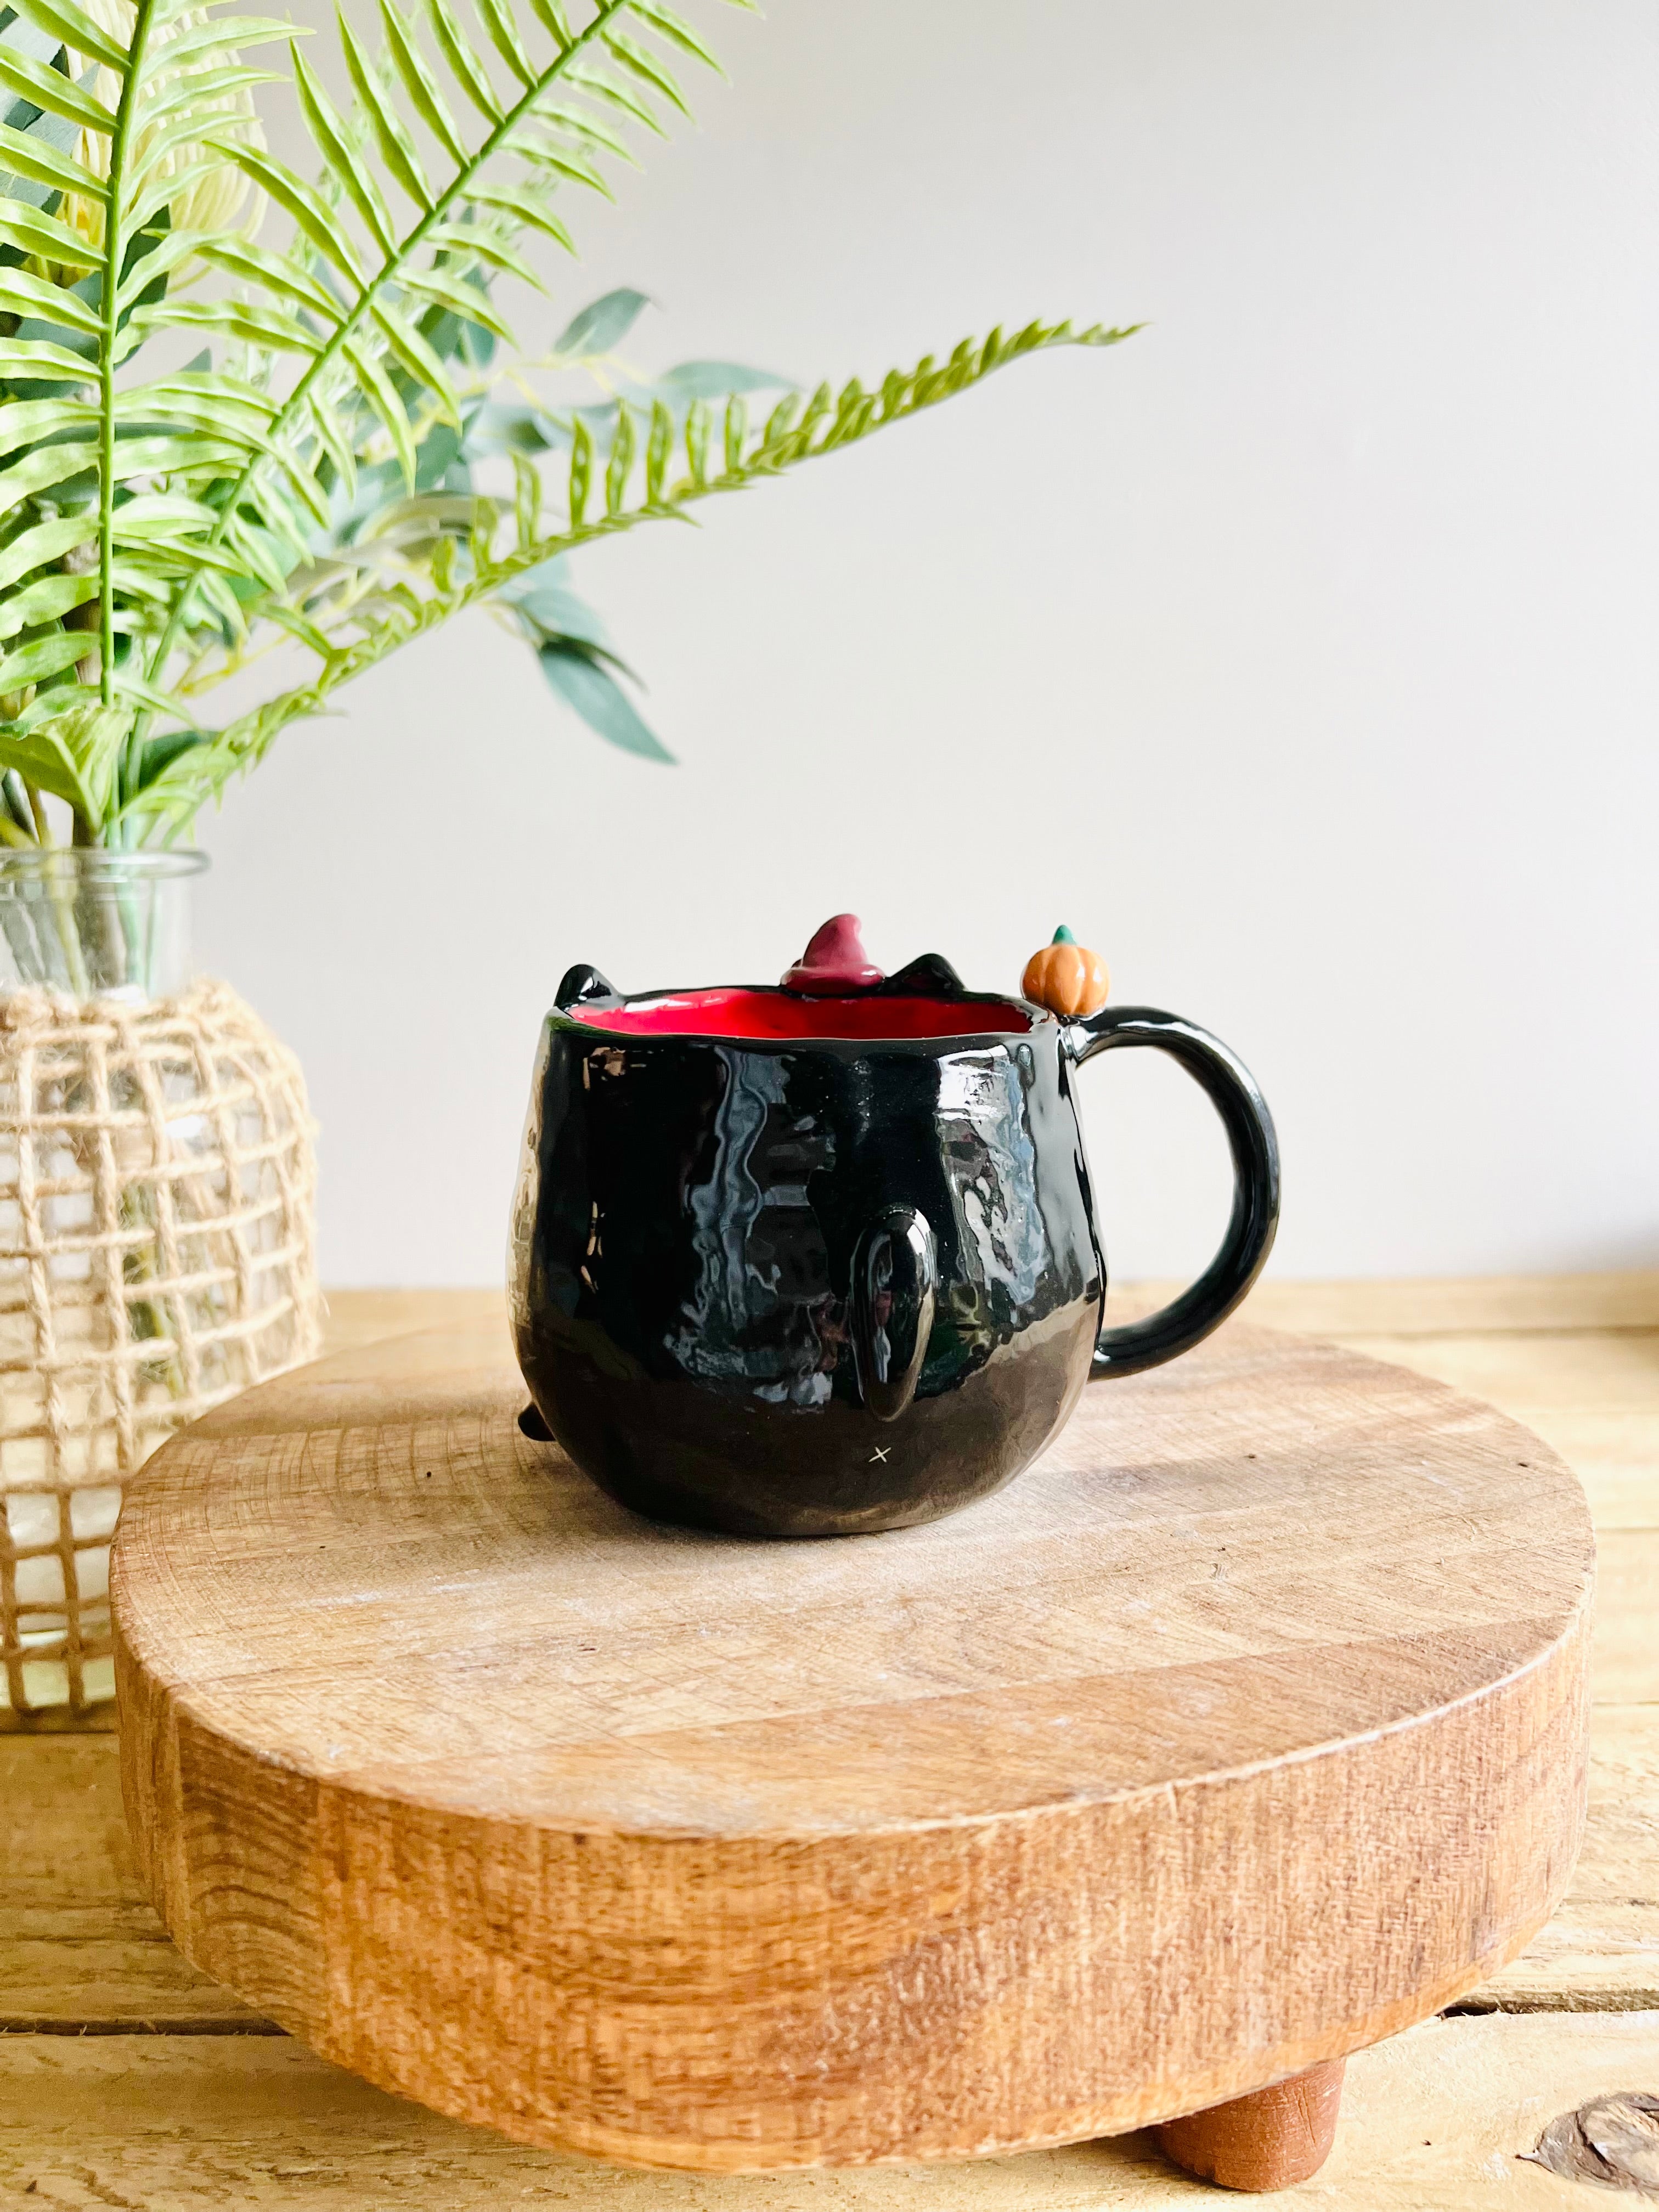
(1267, 2141)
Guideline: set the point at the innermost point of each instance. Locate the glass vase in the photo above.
(96, 924)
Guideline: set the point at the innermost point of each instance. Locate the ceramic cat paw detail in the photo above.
(819, 1257)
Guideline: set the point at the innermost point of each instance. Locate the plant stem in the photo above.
(114, 253)
(69, 934)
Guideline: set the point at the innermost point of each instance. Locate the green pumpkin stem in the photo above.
(1063, 936)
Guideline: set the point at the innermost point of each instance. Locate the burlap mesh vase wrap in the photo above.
(157, 1178)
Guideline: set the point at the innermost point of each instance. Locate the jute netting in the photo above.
(156, 1188)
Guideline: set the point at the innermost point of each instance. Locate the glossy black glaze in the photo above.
(1255, 1146)
(814, 1286)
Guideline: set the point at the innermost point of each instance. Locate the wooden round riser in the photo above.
(1246, 1728)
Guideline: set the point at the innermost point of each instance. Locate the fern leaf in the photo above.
(25, 153)
(209, 41)
(72, 755)
(50, 89)
(43, 467)
(560, 160)
(675, 29)
(341, 158)
(214, 439)
(789, 437)
(295, 621)
(44, 600)
(216, 399)
(167, 184)
(595, 83)
(44, 657)
(658, 447)
(179, 453)
(418, 359)
(23, 421)
(245, 319)
(224, 505)
(70, 26)
(419, 83)
(645, 66)
(697, 428)
(475, 243)
(158, 261)
(40, 359)
(502, 33)
(301, 479)
(132, 684)
(457, 56)
(527, 499)
(24, 295)
(581, 471)
(737, 427)
(137, 582)
(589, 129)
(460, 299)
(527, 210)
(197, 93)
(319, 420)
(276, 273)
(31, 231)
(253, 553)
(621, 462)
(218, 601)
(382, 396)
(554, 21)
(396, 146)
(310, 212)
(156, 514)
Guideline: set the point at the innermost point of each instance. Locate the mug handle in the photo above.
(1177, 1327)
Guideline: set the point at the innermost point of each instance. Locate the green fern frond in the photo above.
(629, 463)
(309, 479)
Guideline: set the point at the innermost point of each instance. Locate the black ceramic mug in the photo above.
(794, 1265)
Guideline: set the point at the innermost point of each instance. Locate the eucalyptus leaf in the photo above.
(601, 326)
(544, 597)
(713, 380)
(501, 427)
(579, 678)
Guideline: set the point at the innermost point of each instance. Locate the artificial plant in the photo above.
(210, 442)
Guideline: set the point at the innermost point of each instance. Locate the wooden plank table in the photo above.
(126, 2079)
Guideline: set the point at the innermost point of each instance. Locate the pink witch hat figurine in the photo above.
(834, 963)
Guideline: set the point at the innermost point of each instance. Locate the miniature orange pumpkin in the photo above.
(1067, 977)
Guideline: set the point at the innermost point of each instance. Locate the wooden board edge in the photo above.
(305, 1985)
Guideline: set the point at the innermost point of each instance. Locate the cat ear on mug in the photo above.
(582, 986)
(932, 976)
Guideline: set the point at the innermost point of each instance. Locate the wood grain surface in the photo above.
(83, 1952)
(1265, 2143)
(1442, 2119)
(1245, 1730)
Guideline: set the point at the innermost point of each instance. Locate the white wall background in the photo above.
(1299, 654)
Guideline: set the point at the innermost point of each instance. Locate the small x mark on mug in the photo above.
(880, 1453)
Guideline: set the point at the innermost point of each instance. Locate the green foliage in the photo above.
(349, 463)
